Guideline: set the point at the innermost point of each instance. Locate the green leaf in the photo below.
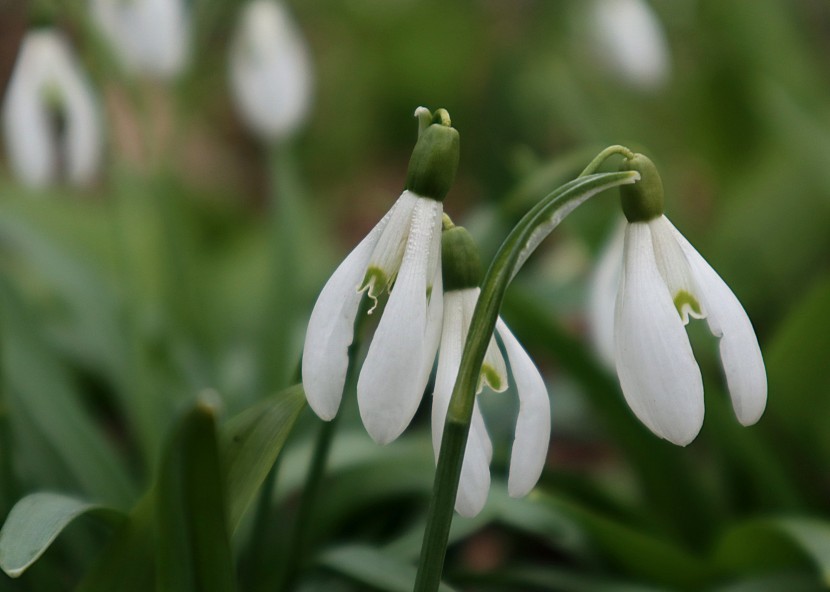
(371, 567)
(548, 578)
(251, 442)
(193, 544)
(775, 544)
(36, 521)
(72, 452)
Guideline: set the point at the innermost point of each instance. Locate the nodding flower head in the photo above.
(50, 114)
(401, 255)
(663, 283)
(462, 275)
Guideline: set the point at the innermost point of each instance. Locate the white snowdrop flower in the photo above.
(50, 115)
(150, 37)
(270, 70)
(462, 275)
(632, 42)
(401, 254)
(665, 281)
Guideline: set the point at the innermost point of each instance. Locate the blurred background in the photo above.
(211, 163)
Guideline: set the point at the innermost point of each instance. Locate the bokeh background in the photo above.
(166, 277)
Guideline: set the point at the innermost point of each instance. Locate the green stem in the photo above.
(285, 220)
(594, 165)
(515, 250)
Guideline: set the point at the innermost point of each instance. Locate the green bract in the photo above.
(642, 201)
(435, 159)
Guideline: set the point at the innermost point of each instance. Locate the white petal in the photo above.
(388, 253)
(453, 335)
(605, 282)
(331, 329)
(675, 270)
(435, 321)
(391, 382)
(658, 373)
(530, 444)
(474, 482)
(740, 353)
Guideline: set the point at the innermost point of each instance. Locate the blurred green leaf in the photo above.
(193, 544)
(776, 543)
(41, 395)
(549, 578)
(785, 582)
(373, 568)
(36, 521)
(251, 442)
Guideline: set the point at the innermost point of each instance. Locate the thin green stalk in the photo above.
(285, 221)
(256, 542)
(515, 250)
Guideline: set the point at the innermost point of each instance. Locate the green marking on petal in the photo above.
(687, 304)
(491, 378)
(374, 283)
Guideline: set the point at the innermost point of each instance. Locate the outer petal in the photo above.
(658, 373)
(391, 382)
(331, 329)
(739, 351)
(605, 282)
(387, 255)
(474, 483)
(530, 445)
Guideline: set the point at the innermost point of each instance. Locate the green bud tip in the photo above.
(642, 201)
(460, 261)
(434, 160)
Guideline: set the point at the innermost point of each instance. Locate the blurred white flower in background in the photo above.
(632, 43)
(270, 70)
(150, 37)
(50, 115)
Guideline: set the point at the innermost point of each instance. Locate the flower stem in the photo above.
(517, 247)
(603, 156)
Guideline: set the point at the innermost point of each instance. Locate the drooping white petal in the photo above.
(386, 258)
(435, 321)
(604, 284)
(658, 373)
(632, 41)
(331, 329)
(675, 270)
(740, 353)
(530, 444)
(391, 382)
(149, 36)
(48, 79)
(474, 482)
(270, 70)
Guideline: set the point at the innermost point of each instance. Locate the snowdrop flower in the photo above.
(401, 254)
(665, 281)
(632, 42)
(150, 36)
(270, 70)
(50, 116)
(462, 275)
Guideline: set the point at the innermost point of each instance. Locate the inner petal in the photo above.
(675, 270)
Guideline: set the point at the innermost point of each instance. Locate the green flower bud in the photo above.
(435, 157)
(460, 261)
(643, 200)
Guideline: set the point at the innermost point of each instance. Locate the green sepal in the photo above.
(460, 261)
(434, 160)
(642, 201)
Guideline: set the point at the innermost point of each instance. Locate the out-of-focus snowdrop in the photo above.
(50, 114)
(150, 37)
(631, 42)
(270, 70)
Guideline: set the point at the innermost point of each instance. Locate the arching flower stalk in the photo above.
(50, 114)
(400, 255)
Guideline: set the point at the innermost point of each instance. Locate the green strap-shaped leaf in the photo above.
(36, 521)
(777, 543)
(251, 442)
(192, 539)
(372, 567)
